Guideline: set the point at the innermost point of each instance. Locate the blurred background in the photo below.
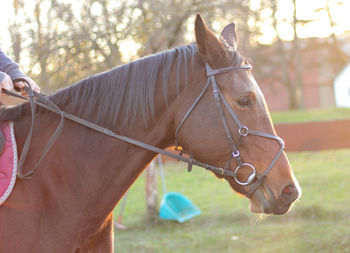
(298, 48)
(300, 52)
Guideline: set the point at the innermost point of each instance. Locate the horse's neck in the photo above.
(91, 164)
(85, 168)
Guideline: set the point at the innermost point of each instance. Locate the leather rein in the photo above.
(254, 179)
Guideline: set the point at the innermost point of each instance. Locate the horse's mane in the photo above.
(123, 93)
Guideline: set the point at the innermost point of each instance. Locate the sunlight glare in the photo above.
(129, 48)
(320, 27)
(306, 10)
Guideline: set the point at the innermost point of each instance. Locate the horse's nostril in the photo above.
(289, 194)
(287, 190)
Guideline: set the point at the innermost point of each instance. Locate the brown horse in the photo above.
(67, 204)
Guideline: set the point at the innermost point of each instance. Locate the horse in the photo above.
(159, 100)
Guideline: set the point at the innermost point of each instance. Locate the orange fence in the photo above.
(310, 136)
(315, 135)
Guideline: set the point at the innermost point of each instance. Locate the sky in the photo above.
(4, 18)
(306, 10)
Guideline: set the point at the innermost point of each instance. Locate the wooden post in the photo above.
(151, 191)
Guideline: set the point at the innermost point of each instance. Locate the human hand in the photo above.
(6, 84)
(21, 84)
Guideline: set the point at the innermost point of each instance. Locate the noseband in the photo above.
(254, 179)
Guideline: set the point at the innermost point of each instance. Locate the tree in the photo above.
(15, 33)
(66, 42)
(338, 57)
(284, 57)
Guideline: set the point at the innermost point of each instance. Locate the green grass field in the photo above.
(310, 115)
(319, 222)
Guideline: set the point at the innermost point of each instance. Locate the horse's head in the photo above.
(230, 126)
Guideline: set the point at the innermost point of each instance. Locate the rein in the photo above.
(44, 102)
(254, 179)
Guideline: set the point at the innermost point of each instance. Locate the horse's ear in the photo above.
(209, 46)
(229, 36)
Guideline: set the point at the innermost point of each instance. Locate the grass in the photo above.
(320, 222)
(310, 115)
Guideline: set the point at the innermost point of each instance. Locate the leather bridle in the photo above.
(254, 180)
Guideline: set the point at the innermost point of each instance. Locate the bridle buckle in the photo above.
(236, 153)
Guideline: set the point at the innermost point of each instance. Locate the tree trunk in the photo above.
(292, 98)
(297, 62)
(283, 60)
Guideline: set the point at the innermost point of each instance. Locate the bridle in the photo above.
(254, 179)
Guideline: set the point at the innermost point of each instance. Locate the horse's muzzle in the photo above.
(272, 205)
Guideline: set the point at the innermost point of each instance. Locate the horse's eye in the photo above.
(244, 102)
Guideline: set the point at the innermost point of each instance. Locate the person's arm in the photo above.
(9, 67)
(9, 71)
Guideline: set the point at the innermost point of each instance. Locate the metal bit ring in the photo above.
(251, 176)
